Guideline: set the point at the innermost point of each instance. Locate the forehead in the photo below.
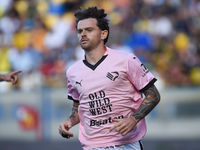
(86, 23)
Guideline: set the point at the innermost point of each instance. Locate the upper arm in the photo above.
(76, 103)
(72, 92)
(138, 74)
(152, 98)
(152, 93)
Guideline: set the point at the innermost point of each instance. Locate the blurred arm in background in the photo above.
(10, 77)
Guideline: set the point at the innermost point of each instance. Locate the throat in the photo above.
(95, 55)
(95, 65)
(92, 61)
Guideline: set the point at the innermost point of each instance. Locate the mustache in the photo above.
(84, 39)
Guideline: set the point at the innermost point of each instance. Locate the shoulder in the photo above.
(120, 54)
(75, 68)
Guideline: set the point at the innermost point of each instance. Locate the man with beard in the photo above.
(106, 87)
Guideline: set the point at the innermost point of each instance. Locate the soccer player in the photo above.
(10, 77)
(106, 87)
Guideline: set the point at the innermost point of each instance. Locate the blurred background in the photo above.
(39, 38)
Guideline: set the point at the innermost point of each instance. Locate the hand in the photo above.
(12, 77)
(123, 126)
(64, 129)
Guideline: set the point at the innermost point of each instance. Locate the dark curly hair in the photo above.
(98, 14)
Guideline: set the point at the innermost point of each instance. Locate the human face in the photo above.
(89, 35)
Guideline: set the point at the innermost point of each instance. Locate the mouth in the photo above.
(84, 41)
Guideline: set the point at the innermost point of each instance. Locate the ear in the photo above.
(104, 34)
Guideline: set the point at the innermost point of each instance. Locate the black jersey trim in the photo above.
(93, 67)
(71, 98)
(141, 145)
(148, 85)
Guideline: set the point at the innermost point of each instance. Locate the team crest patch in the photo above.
(112, 75)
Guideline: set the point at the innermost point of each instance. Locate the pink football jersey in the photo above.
(109, 89)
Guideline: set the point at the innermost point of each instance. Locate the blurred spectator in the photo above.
(5, 65)
(38, 33)
(39, 38)
(56, 37)
(21, 59)
(9, 24)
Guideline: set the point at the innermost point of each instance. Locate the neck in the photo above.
(95, 55)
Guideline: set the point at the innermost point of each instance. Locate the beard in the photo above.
(90, 45)
(86, 47)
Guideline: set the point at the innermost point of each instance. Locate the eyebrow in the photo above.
(85, 28)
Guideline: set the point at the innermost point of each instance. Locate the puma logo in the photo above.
(79, 83)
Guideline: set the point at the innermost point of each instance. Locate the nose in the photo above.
(83, 33)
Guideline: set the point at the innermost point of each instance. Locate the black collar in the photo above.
(93, 67)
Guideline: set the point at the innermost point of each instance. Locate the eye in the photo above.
(89, 29)
(79, 31)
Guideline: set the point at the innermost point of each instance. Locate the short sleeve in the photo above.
(72, 92)
(138, 73)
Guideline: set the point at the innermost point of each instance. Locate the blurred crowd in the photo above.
(39, 38)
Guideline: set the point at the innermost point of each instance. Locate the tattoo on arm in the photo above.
(152, 98)
(74, 114)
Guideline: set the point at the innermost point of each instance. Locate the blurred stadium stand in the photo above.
(39, 38)
(174, 124)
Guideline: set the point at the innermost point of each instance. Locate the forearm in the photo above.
(152, 98)
(1, 77)
(73, 117)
